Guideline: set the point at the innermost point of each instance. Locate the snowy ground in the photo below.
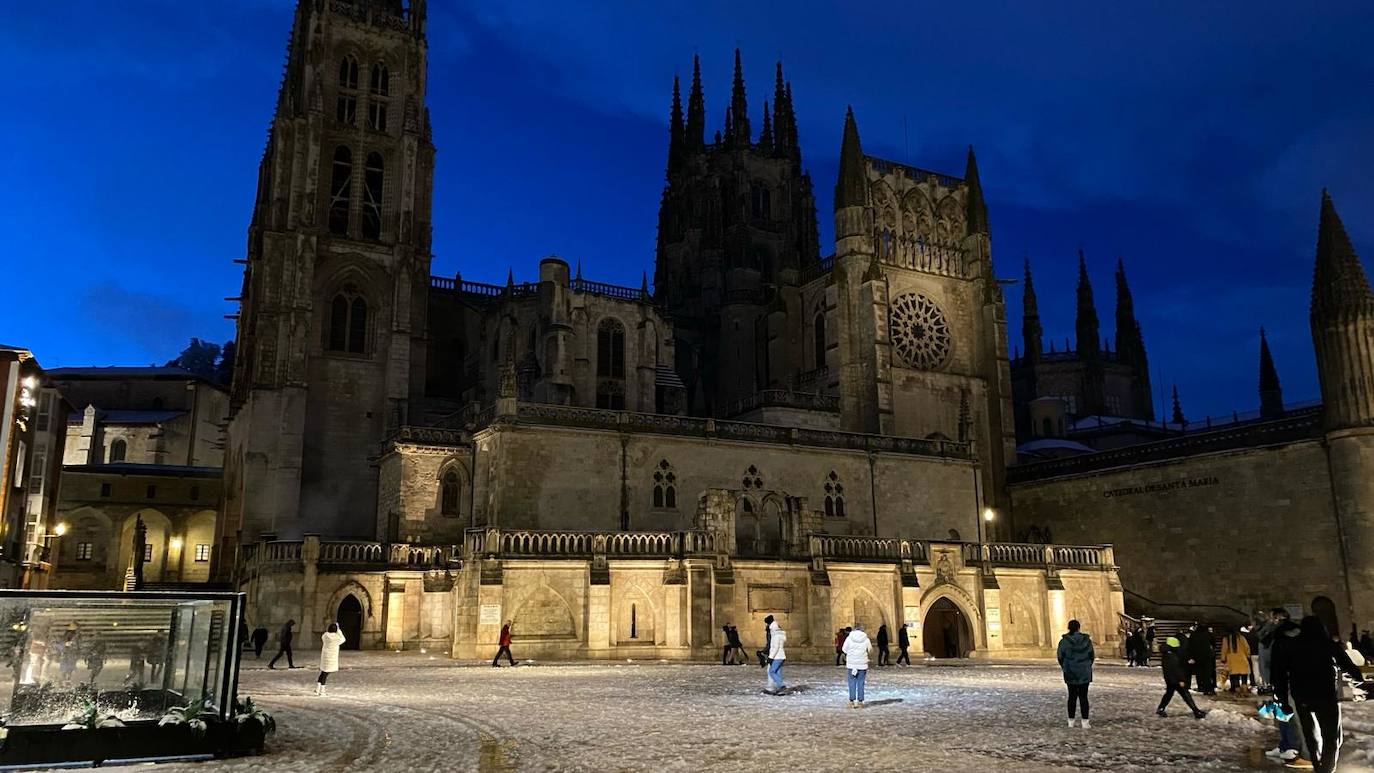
(413, 712)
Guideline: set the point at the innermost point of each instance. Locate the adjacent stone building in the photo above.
(141, 443)
(1270, 509)
(31, 447)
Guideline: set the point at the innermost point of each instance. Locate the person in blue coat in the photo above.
(1076, 658)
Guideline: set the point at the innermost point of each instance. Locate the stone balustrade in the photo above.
(521, 543)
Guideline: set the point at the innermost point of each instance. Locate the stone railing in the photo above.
(382, 555)
(593, 418)
(1005, 554)
(783, 398)
(519, 543)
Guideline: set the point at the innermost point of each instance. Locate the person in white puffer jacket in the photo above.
(856, 650)
(777, 638)
(330, 642)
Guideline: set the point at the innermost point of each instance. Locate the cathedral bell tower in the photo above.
(736, 234)
(1342, 320)
(332, 325)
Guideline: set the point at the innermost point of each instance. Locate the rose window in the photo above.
(920, 333)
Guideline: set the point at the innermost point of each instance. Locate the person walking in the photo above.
(1175, 678)
(1149, 641)
(260, 637)
(884, 654)
(504, 643)
(1142, 648)
(856, 648)
(284, 641)
(1076, 656)
(777, 639)
(726, 649)
(903, 644)
(1132, 656)
(1302, 671)
(732, 635)
(840, 636)
(330, 643)
(1235, 653)
(1250, 632)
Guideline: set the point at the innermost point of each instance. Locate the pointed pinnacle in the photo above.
(851, 187)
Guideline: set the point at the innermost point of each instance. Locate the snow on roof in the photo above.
(122, 371)
(1050, 443)
(130, 417)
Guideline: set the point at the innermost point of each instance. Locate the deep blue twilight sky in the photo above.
(1191, 139)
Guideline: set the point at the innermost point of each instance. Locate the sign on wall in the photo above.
(770, 598)
(1155, 488)
(490, 615)
(912, 615)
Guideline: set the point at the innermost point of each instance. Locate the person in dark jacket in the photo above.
(284, 640)
(1175, 677)
(1303, 671)
(726, 648)
(903, 644)
(504, 644)
(884, 654)
(1202, 659)
(260, 637)
(1142, 648)
(732, 635)
(1076, 656)
(762, 654)
(840, 636)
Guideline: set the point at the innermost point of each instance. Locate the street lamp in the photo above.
(60, 530)
(989, 515)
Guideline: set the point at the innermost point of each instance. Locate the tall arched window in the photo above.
(665, 486)
(348, 321)
(451, 490)
(340, 190)
(373, 174)
(346, 107)
(376, 103)
(818, 329)
(834, 496)
(118, 450)
(610, 365)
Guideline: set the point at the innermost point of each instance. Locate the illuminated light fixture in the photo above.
(60, 529)
(989, 514)
(30, 382)
(176, 543)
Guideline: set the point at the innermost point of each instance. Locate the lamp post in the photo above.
(989, 515)
(48, 555)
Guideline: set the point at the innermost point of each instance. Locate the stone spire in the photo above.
(977, 209)
(1031, 331)
(1178, 410)
(1129, 344)
(1086, 324)
(766, 134)
(696, 109)
(1271, 394)
(1339, 285)
(739, 134)
(1342, 323)
(784, 118)
(676, 130)
(851, 186)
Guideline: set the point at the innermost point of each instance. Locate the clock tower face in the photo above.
(920, 332)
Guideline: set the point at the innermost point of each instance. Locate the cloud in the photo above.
(146, 326)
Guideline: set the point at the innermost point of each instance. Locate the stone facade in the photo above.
(597, 595)
(1249, 528)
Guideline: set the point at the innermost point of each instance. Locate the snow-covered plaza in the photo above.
(419, 712)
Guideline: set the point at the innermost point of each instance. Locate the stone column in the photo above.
(910, 616)
(310, 558)
(599, 620)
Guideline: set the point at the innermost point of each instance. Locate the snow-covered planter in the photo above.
(250, 727)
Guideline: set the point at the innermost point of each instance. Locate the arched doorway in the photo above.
(350, 619)
(946, 632)
(1325, 609)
